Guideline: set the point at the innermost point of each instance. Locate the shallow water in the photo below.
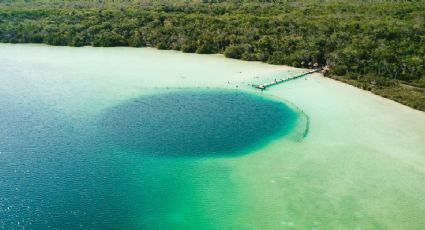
(65, 163)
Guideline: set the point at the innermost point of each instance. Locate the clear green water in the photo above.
(135, 163)
(64, 164)
(100, 175)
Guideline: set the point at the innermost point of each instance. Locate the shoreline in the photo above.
(383, 99)
(275, 68)
(391, 93)
(355, 142)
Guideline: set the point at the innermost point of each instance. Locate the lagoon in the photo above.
(342, 159)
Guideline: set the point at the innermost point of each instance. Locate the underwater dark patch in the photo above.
(195, 123)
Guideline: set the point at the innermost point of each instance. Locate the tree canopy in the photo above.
(375, 41)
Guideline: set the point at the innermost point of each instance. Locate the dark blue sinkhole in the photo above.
(196, 123)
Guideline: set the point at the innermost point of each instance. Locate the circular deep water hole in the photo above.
(196, 123)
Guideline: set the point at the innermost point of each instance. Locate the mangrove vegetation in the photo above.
(375, 45)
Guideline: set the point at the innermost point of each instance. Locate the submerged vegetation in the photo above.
(375, 45)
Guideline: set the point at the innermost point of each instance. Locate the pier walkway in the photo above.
(278, 81)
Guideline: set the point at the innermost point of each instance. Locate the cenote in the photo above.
(196, 123)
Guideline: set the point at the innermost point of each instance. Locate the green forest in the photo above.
(375, 45)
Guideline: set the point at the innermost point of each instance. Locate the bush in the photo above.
(234, 51)
(188, 48)
(206, 48)
(109, 39)
(339, 70)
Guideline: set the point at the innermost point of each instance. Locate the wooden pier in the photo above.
(278, 81)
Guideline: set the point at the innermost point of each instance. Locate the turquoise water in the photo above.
(123, 167)
(66, 163)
